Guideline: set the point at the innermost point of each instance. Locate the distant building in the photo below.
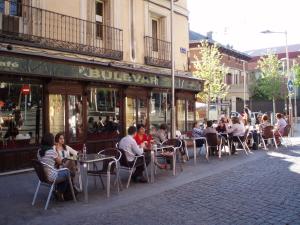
(234, 60)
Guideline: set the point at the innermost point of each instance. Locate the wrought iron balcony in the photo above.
(27, 25)
(157, 52)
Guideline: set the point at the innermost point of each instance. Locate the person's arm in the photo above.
(135, 148)
(71, 150)
(57, 158)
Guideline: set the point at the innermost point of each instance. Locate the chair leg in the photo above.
(108, 184)
(36, 192)
(49, 196)
(174, 163)
(129, 178)
(275, 142)
(145, 168)
(72, 189)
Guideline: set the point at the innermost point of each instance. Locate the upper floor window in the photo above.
(12, 7)
(1, 6)
(155, 34)
(99, 18)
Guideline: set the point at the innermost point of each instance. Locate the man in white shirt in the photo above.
(131, 148)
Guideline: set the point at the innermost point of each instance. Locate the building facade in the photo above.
(237, 64)
(90, 69)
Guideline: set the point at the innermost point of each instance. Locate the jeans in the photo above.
(63, 177)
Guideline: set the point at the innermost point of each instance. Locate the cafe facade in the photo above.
(91, 102)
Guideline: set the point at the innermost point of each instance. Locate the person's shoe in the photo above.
(135, 179)
(142, 180)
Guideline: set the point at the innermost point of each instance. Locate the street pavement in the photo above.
(262, 188)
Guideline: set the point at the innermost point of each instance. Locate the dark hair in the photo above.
(235, 120)
(139, 126)
(209, 123)
(131, 130)
(91, 119)
(194, 124)
(47, 143)
(56, 139)
(278, 115)
(265, 117)
(163, 126)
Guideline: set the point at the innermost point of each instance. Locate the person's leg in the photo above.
(62, 176)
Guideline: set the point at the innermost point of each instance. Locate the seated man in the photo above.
(129, 145)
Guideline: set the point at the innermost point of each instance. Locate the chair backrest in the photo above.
(286, 130)
(177, 143)
(123, 159)
(189, 134)
(267, 132)
(114, 152)
(40, 171)
(212, 139)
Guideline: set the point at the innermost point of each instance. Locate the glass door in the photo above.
(75, 117)
(136, 111)
(56, 113)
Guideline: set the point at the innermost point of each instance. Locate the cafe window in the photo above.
(160, 109)
(103, 112)
(20, 114)
(181, 104)
(190, 114)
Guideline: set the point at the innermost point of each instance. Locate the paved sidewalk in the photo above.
(262, 188)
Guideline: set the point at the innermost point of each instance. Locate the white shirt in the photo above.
(66, 153)
(237, 129)
(281, 124)
(129, 145)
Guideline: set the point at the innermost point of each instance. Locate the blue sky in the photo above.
(239, 22)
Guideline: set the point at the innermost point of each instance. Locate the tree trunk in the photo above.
(274, 109)
(208, 104)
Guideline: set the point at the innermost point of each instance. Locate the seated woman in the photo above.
(236, 130)
(264, 122)
(196, 133)
(161, 135)
(280, 125)
(65, 152)
(47, 154)
(142, 139)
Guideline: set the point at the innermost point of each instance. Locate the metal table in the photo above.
(84, 161)
(193, 139)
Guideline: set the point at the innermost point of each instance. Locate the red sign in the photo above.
(25, 89)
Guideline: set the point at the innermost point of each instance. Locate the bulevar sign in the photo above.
(25, 89)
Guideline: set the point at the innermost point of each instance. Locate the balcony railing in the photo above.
(37, 27)
(157, 52)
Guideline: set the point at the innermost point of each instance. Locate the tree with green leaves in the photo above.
(210, 69)
(269, 85)
(296, 71)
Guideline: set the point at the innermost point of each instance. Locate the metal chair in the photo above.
(109, 167)
(177, 145)
(243, 141)
(285, 136)
(212, 142)
(39, 168)
(268, 134)
(131, 166)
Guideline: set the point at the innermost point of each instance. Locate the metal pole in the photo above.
(244, 71)
(289, 77)
(295, 97)
(173, 119)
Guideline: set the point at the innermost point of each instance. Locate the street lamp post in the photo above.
(287, 67)
(173, 118)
